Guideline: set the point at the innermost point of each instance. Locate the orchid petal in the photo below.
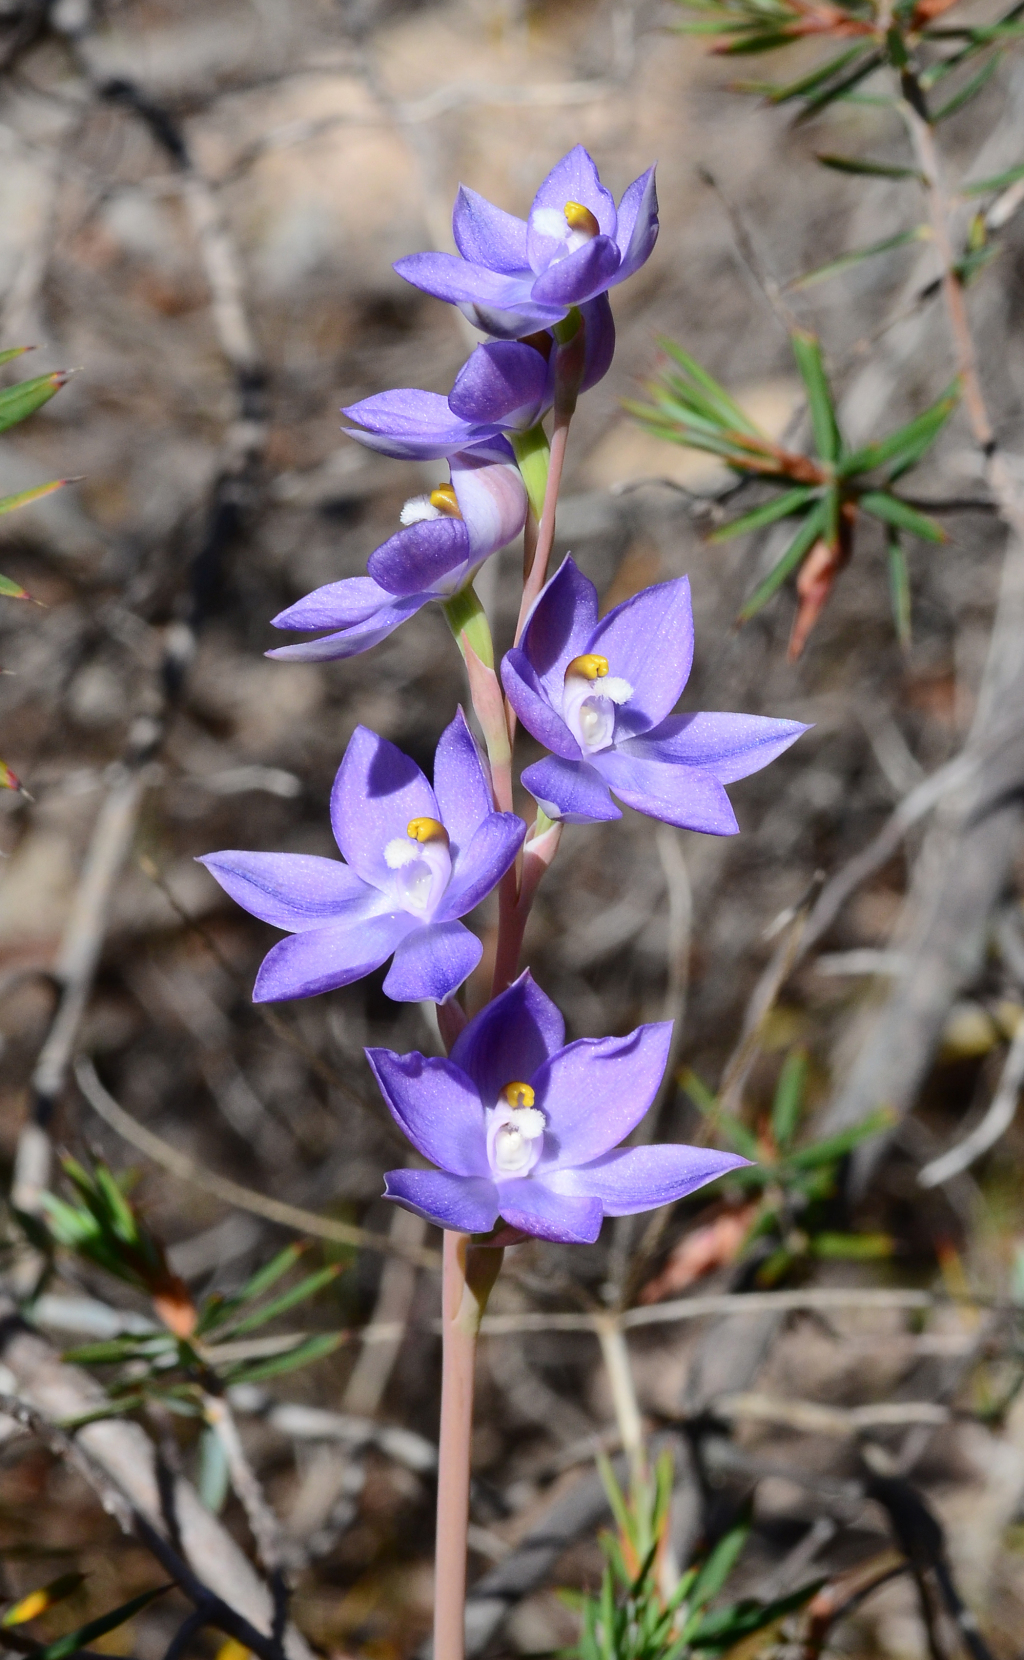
(727, 746)
(431, 962)
(487, 235)
(465, 1204)
(634, 1179)
(686, 796)
(504, 383)
(377, 791)
(450, 277)
(598, 340)
(482, 864)
(648, 640)
(506, 324)
(571, 790)
(291, 890)
(360, 637)
(509, 1039)
(529, 1205)
(493, 504)
(410, 425)
(573, 179)
(596, 1090)
(638, 225)
(320, 959)
(527, 695)
(337, 605)
(437, 1107)
(559, 626)
(579, 276)
(460, 784)
(417, 557)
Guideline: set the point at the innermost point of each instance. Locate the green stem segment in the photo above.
(531, 450)
(467, 620)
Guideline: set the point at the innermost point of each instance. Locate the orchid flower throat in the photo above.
(515, 1132)
(588, 709)
(422, 865)
(574, 226)
(441, 503)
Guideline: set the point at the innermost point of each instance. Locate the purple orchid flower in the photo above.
(417, 860)
(511, 275)
(504, 386)
(599, 696)
(446, 536)
(526, 1127)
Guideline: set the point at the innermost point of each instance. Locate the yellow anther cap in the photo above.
(518, 1095)
(445, 500)
(591, 666)
(580, 218)
(426, 830)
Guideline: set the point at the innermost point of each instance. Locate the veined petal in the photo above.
(687, 796)
(635, 1179)
(322, 958)
(531, 1205)
(727, 746)
(361, 636)
(487, 235)
(450, 277)
(579, 276)
(466, 1204)
(559, 626)
(432, 962)
(410, 425)
(437, 1107)
(571, 790)
(376, 792)
(648, 640)
(573, 179)
(417, 557)
(506, 324)
(482, 864)
(528, 697)
(493, 502)
(291, 890)
(596, 1090)
(509, 1039)
(504, 383)
(336, 605)
(638, 225)
(460, 784)
(598, 340)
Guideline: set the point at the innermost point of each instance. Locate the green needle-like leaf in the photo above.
(840, 88)
(869, 169)
(782, 506)
(846, 262)
(38, 491)
(721, 1562)
(314, 1348)
(18, 402)
(837, 1146)
(789, 1096)
(971, 90)
(13, 352)
(807, 352)
(11, 589)
(295, 1294)
(998, 181)
(891, 510)
(812, 527)
(30, 1607)
(907, 445)
(899, 590)
(732, 415)
(806, 83)
(67, 1645)
(216, 1313)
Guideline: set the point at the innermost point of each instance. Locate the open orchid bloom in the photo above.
(600, 695)
(512, 276)
(525, 1127)
(417, 859)
(446, 537)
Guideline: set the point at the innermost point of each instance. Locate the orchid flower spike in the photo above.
(446, 537)
(525, 1127)
(599, 696)
(512, 276)
(417, 859)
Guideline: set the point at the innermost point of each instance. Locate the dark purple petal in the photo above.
(571, 790)
(648, 640)
(509, 1039)
(578, 276)
(727, 746)
(559, 626)
(449, 277)
(460, 784)
(597, 1090)
(411, 425)
(360, 637)
(526, 1203)
(504, 383)
(291, 890)
(432, 962)
(493, 502)
(482, 865)
(376, 792)
(487, 235)
(598, 340)
(417, 557)
(437, 1107)
(466, 1204)
(573, 179)
(528, 697)
(337, 605)
(638, 225)
(686, 796)
(322, 958)
(641, 1178)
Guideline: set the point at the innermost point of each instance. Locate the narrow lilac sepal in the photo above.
(360, 637)
(450, 277)
(571, 790)
(415, 558)
(487, 235)
(580, 276)
(595, 1091)
(460, 784)
(572, 179)
(637, 229)
(466, 1204)
(290, 890)
(689, 797)
(648, 640)
(510, 1038)
(559, 625)
(504, 383)
(532, 1206)
(431, 962)
(410, 425)
(598, 340)
(483, 864)
(635, 1179)
(436, 1106)
(320, 959)
(526, 694)
(728, 746)
(336, 605)
(376, 793)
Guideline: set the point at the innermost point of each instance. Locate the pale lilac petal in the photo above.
(596, 1090)
(648, 640)
(410, 425)
(529, 1205)
(360, 637)
(528, 697)
(598, 340)
(503, 324)
(559, 626)
(573, 179)
(290, 890)
(570, 790)
(686, 796)
(641, 1178)
(487, 235)
(322, 958)
(493, 504)
(504, 383)
(466, 1204)
(432, 962)
(482, 864)
(460, 784)
(509, 1039)
(336, 605)
(417, 557)
(727, 746)
(376, 793)
(449, 277)
(578, 276)
(638, 225)
(437, 1107)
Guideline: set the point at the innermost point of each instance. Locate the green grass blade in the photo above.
(18, 402)
(893, 511)
(789, 1097)
(789, 502)
(806, 536)
(899, 590)
(846, 262)
(868, 169)
(67, 1645)
(314, 1348)
(279, 1305)
(998, 181)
